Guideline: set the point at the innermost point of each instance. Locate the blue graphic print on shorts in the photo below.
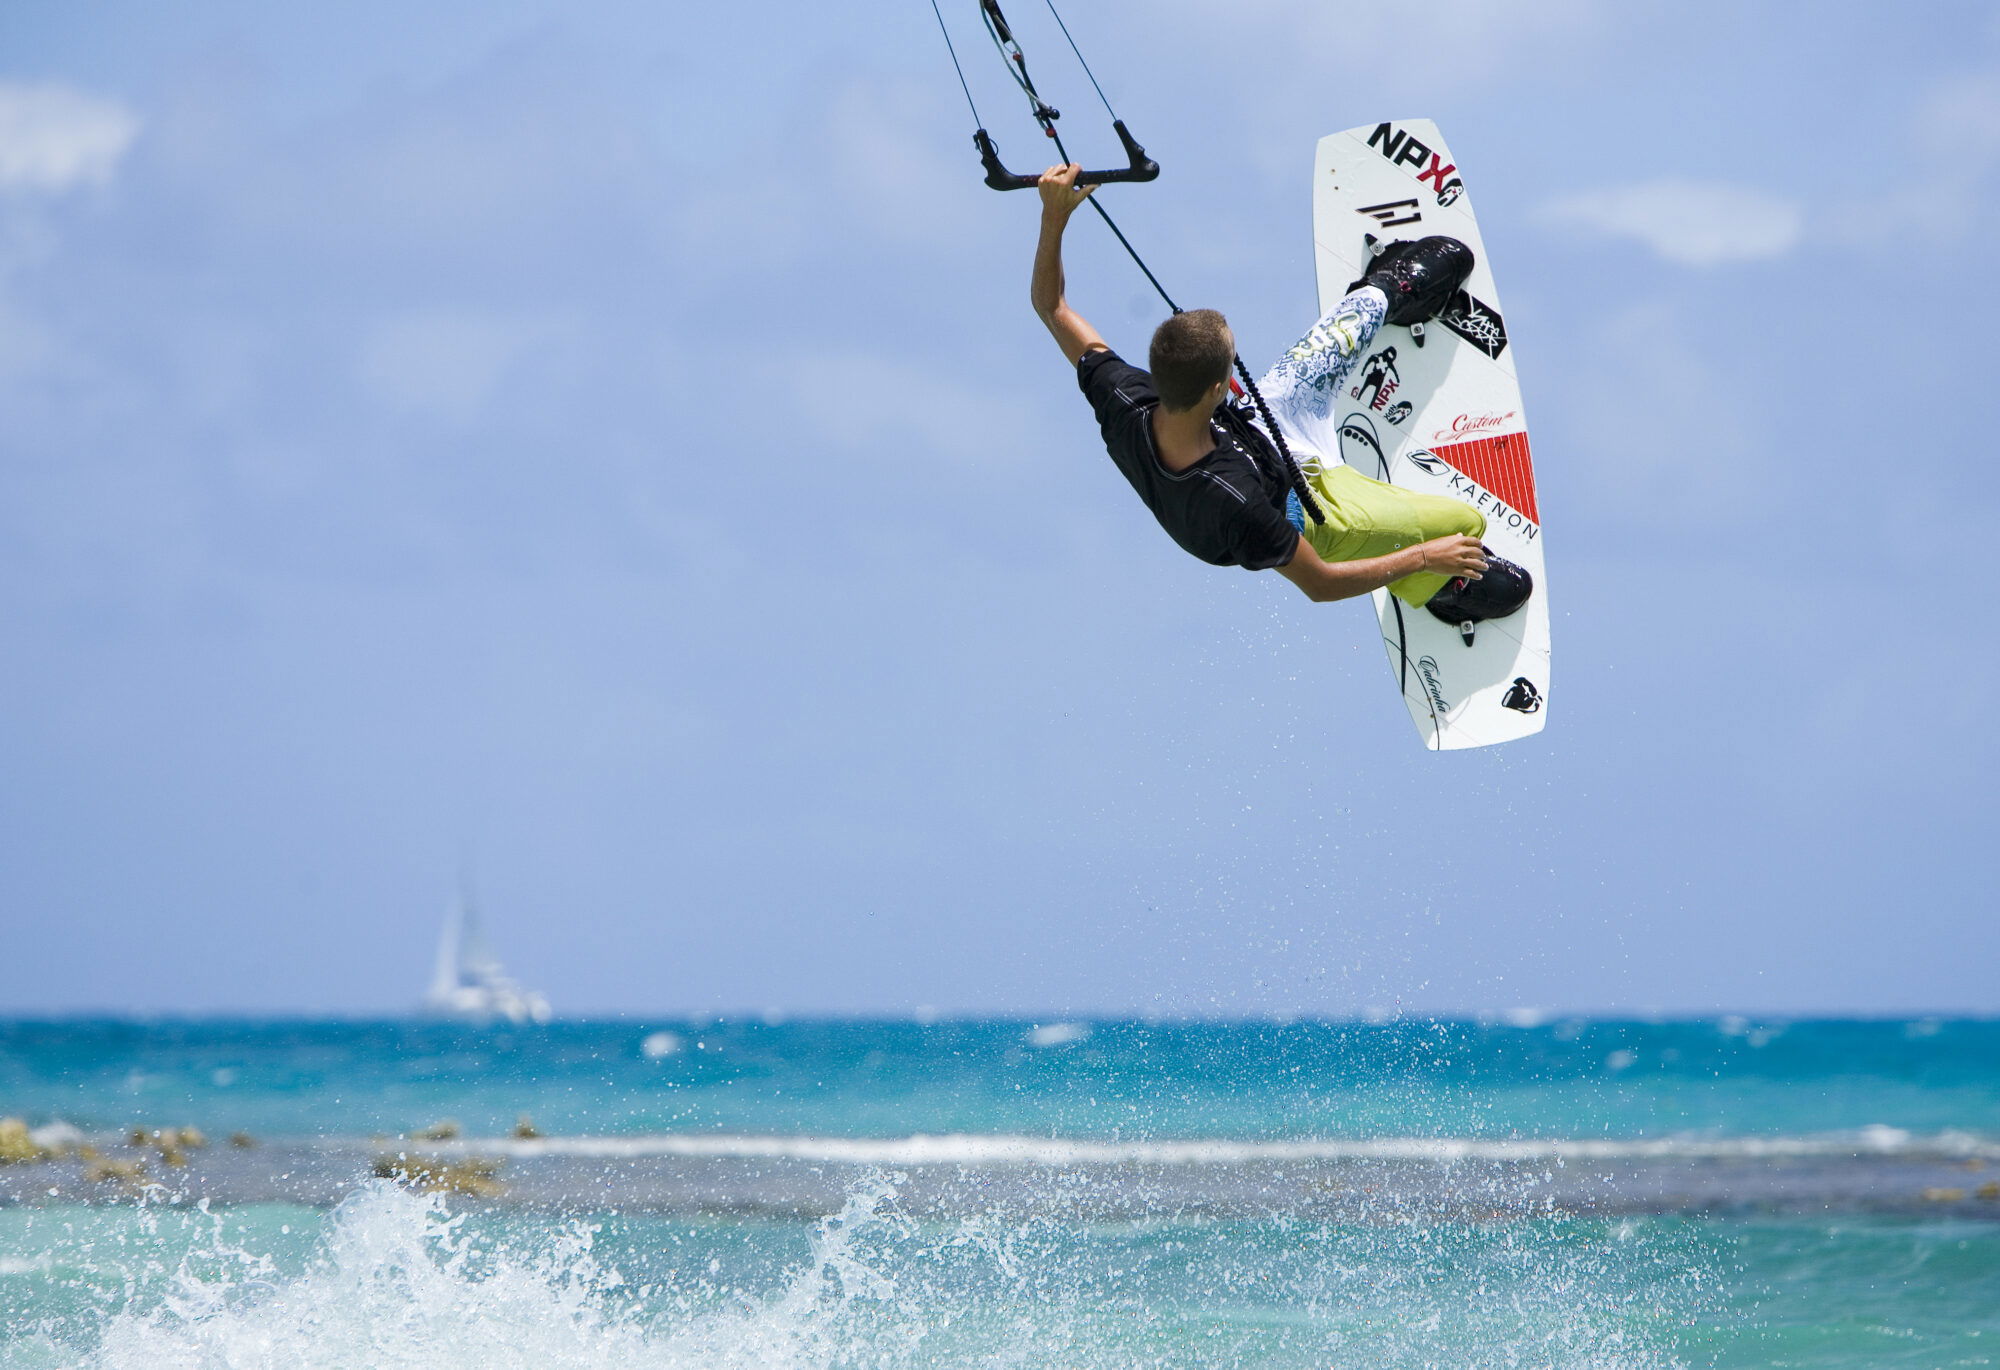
(1304, 386)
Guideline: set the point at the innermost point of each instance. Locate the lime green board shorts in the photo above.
(1368, 518)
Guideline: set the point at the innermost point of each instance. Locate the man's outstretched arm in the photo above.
(1060, 197)
(1453, 555)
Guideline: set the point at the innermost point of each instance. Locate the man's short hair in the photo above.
(1191, 351)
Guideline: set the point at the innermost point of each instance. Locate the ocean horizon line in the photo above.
(1524, 1017)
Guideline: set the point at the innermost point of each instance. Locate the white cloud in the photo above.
(1948, 150)
(54, 139)
(888, 161)
(1688, 222)
(1292, 41)
(840, 397)
(1633, 366)
(1961, 117)
(25, 344)
(444, 363)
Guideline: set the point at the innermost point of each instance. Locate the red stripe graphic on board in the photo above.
(1501, 465)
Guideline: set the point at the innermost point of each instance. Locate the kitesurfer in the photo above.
(1214, 479)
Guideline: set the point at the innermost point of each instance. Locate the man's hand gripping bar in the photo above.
(1142, 168)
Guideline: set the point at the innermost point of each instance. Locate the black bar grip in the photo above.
(997, 19)
(1141, 168)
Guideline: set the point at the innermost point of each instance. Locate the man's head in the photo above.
(1190, 358)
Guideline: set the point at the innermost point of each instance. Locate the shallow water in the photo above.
(389, 1278)
(999, 1194)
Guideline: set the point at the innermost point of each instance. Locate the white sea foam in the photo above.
(1057, 1034)
(58, 1135)
(1000, 1149)
(398, 1280)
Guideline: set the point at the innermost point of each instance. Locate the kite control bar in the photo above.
(1139, 167)
(1142, 168)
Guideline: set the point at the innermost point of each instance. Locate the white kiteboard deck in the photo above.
(1442, 418)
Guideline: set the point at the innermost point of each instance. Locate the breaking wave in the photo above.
(991, 1150)
(397, 1279)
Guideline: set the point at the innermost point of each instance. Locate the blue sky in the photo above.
(613, 441)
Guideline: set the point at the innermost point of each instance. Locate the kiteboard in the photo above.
(1437, 410)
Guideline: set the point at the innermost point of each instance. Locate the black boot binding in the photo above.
(1419, 277)
(1501, 591)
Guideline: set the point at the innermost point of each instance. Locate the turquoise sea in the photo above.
(769, 1193)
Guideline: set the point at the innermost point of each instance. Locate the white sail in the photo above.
(469, 982)
(444, 976)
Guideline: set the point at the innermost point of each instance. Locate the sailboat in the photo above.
(469, 983)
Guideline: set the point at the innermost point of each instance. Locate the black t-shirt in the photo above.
(1229, 507)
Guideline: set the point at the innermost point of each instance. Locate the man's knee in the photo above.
(1450, 516)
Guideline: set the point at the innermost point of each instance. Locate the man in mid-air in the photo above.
(1216, 482)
